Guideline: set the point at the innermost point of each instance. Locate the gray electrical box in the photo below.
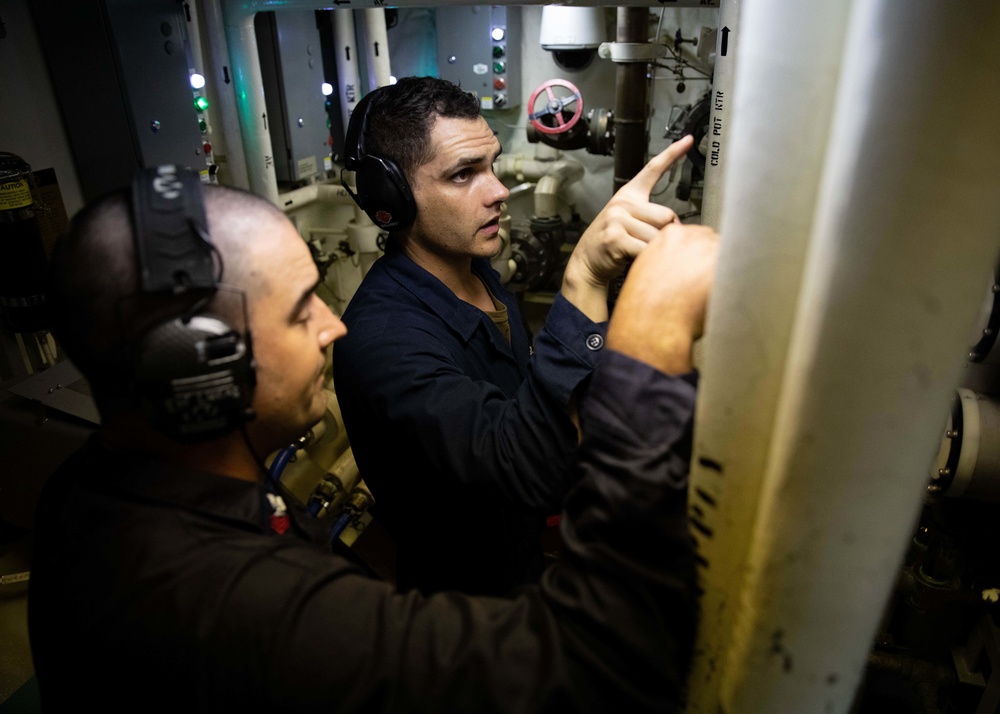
(120, 73)
(479, 49)
(291, 64)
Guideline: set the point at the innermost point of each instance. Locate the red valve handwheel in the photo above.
(554, 107)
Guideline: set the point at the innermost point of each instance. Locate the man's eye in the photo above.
(461, 175)
(304, 316)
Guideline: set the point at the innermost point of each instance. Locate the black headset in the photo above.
(192, 374)
(383, 191)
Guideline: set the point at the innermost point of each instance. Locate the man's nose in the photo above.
(500, 193)
(332, 327)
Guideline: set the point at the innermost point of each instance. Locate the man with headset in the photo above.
(461, 427)
(167, 578)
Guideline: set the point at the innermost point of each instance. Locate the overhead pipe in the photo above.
(891, 290)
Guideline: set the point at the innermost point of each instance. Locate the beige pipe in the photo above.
(905, 237)
(790, 53)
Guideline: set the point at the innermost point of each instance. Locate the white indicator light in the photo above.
(392, 80)
(197, 81)
(497, 34)
(327, 89)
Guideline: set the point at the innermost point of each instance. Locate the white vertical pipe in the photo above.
(250, 106)
(790, 53)
(376, 48)
(348, 77)
(906, 234)
(225, 109)
(723, 86)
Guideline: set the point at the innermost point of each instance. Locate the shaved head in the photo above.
(94, 280)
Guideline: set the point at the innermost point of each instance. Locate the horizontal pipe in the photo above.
(323, 192)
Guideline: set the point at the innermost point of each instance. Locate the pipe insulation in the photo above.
(348, 77)
(904, 238)
(723, 90)
(250, 106)
(790, 54)
(550, 177)
(376, 48)
(234, 168)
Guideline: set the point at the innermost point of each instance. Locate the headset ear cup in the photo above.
(194, 379)
(385, 193)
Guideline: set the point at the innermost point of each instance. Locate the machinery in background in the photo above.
(22, 254)
(31, 217)
(120, 68)
(479, 50)
(692, 119)
(937, 648)
(293, 72)
(319, 471)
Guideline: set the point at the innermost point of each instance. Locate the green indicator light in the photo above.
(499, 67)
(498, 50)
(201, 104)
(202, 125)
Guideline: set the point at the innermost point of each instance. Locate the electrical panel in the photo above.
(120, 72)
(479, 49)
(291, 64)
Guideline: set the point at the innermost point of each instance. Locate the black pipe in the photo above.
(631, 96)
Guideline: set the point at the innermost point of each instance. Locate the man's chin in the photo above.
(492, 247)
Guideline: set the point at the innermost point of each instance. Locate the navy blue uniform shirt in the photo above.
(465, 440)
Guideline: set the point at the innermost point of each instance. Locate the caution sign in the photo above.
(14, 194)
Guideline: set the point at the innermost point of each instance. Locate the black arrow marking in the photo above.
(225, 73)
(347, 50)
(376, 49)
(264, 116)
(341, 2)
(725, 41)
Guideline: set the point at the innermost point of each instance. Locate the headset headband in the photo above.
(170, 230)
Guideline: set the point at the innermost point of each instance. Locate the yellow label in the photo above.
(14, 194)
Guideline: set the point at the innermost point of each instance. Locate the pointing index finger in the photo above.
(653, 171)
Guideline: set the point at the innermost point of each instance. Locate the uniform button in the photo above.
(595, 342)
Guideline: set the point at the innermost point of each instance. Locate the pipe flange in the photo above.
(600, 134)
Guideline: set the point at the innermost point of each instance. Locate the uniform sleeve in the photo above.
(406, 387)
(609, 629)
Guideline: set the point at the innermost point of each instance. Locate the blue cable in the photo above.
(340, 525)
(279, 463)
